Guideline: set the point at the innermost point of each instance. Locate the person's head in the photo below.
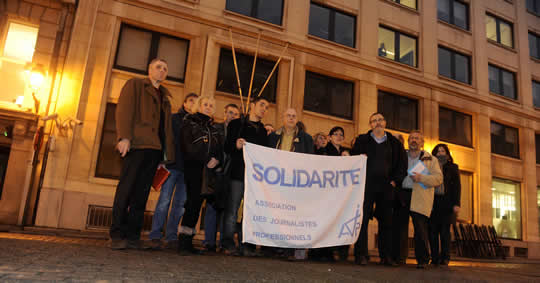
(269, 128)
(231, 112)
(320, 140)
(205, 105)
(158, 70)
(258, 107)
(442, 152)
(189, 100)
(377, 122)
(416, 140)
(337, 135)
(399, 137)
(290, 119)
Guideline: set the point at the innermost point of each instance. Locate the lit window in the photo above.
(506, 208)
(397, 46)
(466, 202)
(499, 30)
(409, 3)
(20, 42)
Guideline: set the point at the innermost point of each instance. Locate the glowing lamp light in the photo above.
(19, 100)
(36, 77)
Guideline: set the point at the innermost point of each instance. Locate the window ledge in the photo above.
(447, 79)
(463, 147)
(136, 75)
(407, 8)
(326, 116)
(533, 13)
(249, 20)
(384, 59)
(348, 48)
(502, 45)
(236, 96)
(536, 60)
(505, 99)
(509, 158)
(454, 26)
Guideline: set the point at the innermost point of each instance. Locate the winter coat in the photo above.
(444, 204)
(201, 140)
(302, 142)
(177, 120)
(422, 199)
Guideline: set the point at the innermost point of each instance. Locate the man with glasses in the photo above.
(386, 168)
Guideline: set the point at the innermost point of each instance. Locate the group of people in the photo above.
(205, 161)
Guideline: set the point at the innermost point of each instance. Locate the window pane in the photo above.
(491, 28)
(460, 15)
(386, 43)
(13, 82)
(270, 11)
(506, 205)
(465, 211)
(537, 140)
(530, 5)
(400, 112)
(134, 49)
(506, 34)
(319, 21)
(445, 65)
(240, 6)
(20, 42)
(455, 127)
(174, 51)
(534, 48)
(344, 31)
(328, 95)
(462, 68)
(494, 85)
(341, 95)
(443, 10)
(508, 85)
(109, 163)
(407, 50)
(504, 140)
(408, 3)
(536, 93)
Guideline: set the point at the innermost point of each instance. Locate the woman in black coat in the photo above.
(445, 206)
(202, 148)
(336, 136)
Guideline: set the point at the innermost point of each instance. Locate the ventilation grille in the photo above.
(100, 218)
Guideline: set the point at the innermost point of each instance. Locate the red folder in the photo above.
(160, 177)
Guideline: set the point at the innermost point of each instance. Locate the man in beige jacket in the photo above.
(422, 185)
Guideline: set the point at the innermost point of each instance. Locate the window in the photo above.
(533, 6)
(504, 140)
(137, 47)
(534, 45)
(499, 30)
(466, 202)
(538, 204)
(332, 25)
(537, 141)
(226, 80)
(454, 65)
(453, 12)
(409, 3)
(397, 46)
(536, 93)
(506, 208)
(109, 163)
(266, 10)
(401, 113)
(329, 95)
(4, 159)
(502, 82)
(455, 127)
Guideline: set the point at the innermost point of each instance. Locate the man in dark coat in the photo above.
(385, 170)
(144, 129)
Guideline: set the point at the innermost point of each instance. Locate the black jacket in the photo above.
(201, 140)
(177, 121)
(302, 142)
(331, 150)
(395, 166)
(253, 132)
(452, 186)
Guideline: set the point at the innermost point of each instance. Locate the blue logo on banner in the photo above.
(351, 227)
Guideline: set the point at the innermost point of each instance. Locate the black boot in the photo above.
(185, 245)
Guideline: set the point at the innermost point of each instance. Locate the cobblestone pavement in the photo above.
(55, 258)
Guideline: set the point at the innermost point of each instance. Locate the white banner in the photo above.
(296, 200)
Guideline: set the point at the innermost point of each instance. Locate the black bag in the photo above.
(215, 182)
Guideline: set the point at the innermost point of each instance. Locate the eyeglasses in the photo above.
(338, 134)
(377, 120)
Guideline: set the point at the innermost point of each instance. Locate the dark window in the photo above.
(454, 65)
(137, 47)
(536, 93)
(332, 25)
(397, 46)
(4, 159)
(453, 12)
(109, 163)
(499, 30)
(401, 113)
(455, 127)
(329, 95)
(502, 82)
(533, 6)
(504, 140)
(226, 81)
(534, 45)
(266, 10)
(409, 3)
(537, 140)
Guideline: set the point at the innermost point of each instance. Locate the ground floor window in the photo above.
(109, 163)
(466, 208)
(506, 208)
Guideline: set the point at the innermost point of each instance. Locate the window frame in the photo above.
(398, 96)
(254, 11)
(537, 143)
(451, 14)
(103, 130)
(154, 47)
(498, 20)
(453, 64)
(501, 84)
(533, 81)
(537, 38)
(327, 80)
(536, 5)
(397, 45)
(399, 2)
(454, 112)
(518, 156)
(331, 23)
(518, 199)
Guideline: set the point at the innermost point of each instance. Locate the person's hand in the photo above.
(212, 163)
(240, 143)
(393, 184)
(345, 153)
(123, 147)
(416, 177)
(456, 209)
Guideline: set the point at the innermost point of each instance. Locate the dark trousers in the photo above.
(400, 227)
(421, 249)
(132, 193)
(439, 226)
(193, 174)
(383, 200)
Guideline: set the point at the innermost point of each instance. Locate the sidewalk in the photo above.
(29, 257)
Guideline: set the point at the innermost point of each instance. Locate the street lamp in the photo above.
(36, 76)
